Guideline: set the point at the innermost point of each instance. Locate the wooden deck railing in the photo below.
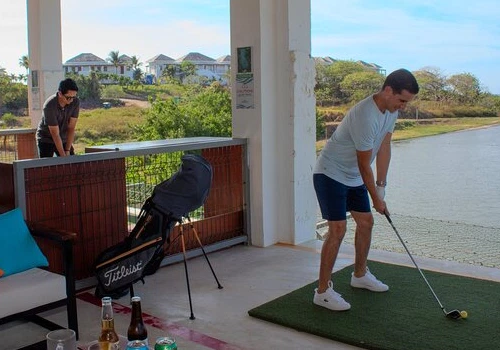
(90, 194)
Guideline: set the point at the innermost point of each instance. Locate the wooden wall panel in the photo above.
(86, 198)
(226, 193)
(7, 200)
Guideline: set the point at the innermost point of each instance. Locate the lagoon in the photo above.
(452, 177)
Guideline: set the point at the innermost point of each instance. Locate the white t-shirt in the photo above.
(362, 129)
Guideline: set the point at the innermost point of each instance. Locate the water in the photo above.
(453, 177)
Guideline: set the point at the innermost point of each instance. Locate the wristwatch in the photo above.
(381, 183)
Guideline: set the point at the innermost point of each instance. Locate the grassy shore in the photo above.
(430, 127)
(100, 126)
(443, 125)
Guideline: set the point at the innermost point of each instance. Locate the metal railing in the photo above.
(98, 195)
(17, 144)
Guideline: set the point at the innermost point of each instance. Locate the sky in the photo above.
(454, 36)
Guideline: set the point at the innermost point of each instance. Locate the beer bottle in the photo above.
(137, 330)
(108, 340)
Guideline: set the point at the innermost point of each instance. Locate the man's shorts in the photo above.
(336, 199)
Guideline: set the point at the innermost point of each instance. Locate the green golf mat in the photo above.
(407, 317)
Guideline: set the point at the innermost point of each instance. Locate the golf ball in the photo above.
(463, 313)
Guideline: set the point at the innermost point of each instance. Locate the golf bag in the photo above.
(118, 267)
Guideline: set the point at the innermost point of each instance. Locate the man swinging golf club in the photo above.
(343, 180)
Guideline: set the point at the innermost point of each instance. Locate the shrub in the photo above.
(10, 120)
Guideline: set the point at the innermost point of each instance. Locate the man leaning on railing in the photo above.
(56, 129)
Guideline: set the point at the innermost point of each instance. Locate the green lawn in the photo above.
(435, 126)
(101, 126)
(441, 126)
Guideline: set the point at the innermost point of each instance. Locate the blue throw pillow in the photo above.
(18, 249)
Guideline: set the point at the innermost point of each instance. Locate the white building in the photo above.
(85, 63)
(212, 69)
(157, 64)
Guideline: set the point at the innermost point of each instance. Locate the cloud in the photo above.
(173, 39)
(456, 35)
(451, 35)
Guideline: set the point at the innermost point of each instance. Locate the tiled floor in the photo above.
(250, 276)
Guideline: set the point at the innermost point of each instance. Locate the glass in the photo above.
(61, 339)
(69, 98)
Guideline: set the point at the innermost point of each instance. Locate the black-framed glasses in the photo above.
(69, 98)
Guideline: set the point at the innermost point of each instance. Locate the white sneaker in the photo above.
(330, 299)
(368, 281)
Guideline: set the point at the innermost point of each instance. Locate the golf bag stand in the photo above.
(181, 233)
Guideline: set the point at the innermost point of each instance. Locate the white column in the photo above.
(44, 52)
(280, 123)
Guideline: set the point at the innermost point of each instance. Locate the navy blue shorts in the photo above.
(336, 199)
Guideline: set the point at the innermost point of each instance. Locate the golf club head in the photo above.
(454, 314)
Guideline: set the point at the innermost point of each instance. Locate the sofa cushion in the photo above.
(29, 289)
(18, 249)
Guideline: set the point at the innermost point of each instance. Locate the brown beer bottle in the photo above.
(108, 340)
(137, 330)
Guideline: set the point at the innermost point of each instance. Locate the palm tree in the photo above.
(24, 62)
(114, 58)
(134, 62)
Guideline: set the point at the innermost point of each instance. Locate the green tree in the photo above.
(202, 112)
(323, 88)
(320, 124)
(13, 95)
(24, 62)
(358, 85)
(210, 111)
(465, 88)
(432, 83)
(163, 120)
(170, 73)
(114, 59)
(137, 73)
(9, 120)
(89, 87)
(187, 69)
(490, 101)
(134, 62)
(330, 77)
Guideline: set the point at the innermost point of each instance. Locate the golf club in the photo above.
(454, 314)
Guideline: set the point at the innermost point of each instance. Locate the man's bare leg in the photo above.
(329, 252)
(362, 241)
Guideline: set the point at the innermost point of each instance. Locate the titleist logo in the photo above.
(120, 272)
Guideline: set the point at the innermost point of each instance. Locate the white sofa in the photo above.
(24, 295)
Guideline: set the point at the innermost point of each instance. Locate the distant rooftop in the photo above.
(195, 57)
(160, 58)
(85, 57)
(225, 58)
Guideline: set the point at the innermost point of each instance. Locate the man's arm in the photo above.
(365, 169)
(71, 134)
(384, 158)
(56, 137)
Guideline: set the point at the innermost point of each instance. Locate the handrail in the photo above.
(17, 131)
